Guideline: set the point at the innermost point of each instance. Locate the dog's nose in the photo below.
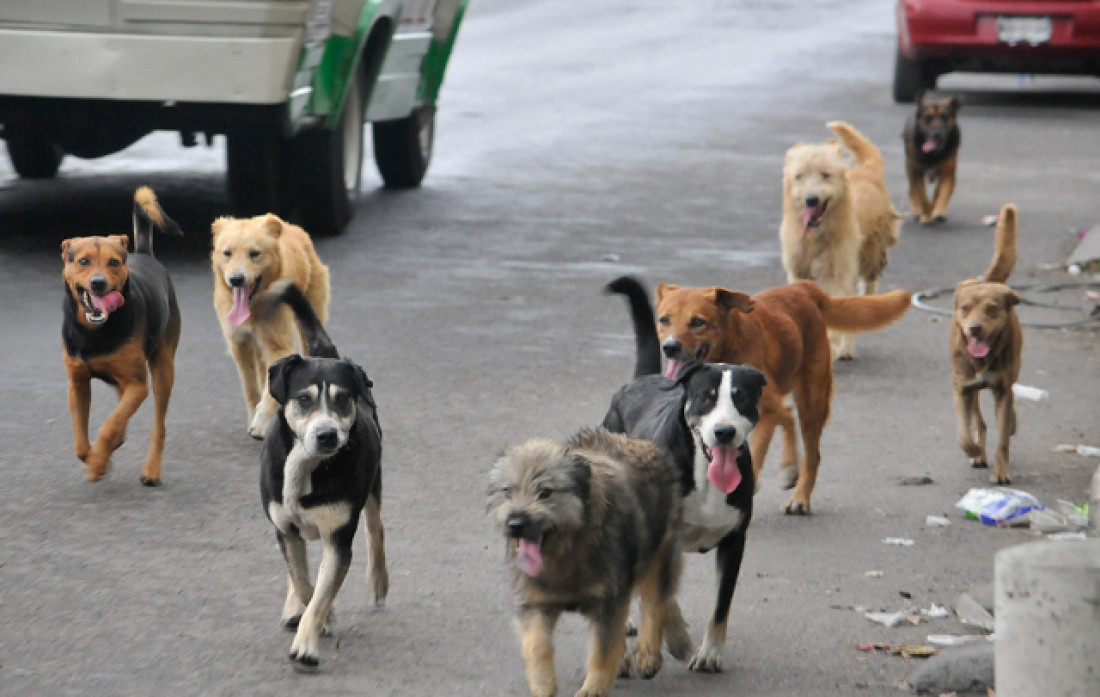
(724, 434)
(812, 201)
(236, 280)
(671, 348)
(98, 284)
(516, 525)
(975, 330)
(327, 438)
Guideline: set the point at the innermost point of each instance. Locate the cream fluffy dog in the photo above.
(248, 256)
(838, 221)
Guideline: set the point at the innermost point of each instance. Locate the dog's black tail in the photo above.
(647, 345)
(149, 215)
(318, 343)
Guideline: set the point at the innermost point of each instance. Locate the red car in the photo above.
(1001, 36)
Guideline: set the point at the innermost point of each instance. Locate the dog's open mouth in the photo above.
(977, 348)
(811, 216)
(672, 366)
(242, 297)
(722, 471)
(529, 556)
(98, 308)
(930, 144)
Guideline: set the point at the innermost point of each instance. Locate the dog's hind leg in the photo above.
(677, 639)
(918, 194)
(812, 396)
(655, 590)
(335, 560)
(608, 649)
(945, 186)
(378, 578)
(163, 371)
(536, 629)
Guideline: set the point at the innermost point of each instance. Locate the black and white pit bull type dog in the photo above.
(703, 417)
(320, 468)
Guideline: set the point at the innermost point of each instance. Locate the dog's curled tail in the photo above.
(866, 152)
(149, 215)
(861, 313)
(647, 346)
(1005, 252)
(286, 291)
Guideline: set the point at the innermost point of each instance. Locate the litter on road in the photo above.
(903, 650)
(937, 521)
(899, 541)
(1084, 450)
(1000, 506)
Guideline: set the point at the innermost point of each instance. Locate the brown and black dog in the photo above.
(986, 343)
(121, 324)
(783, 332)
(932, 138)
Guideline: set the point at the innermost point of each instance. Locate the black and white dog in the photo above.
(704, 418)
(321, 465)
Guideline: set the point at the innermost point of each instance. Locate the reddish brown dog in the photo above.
(783, 332)
(121, 324)
(986, 345)
(932, 138)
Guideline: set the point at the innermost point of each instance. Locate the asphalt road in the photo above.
(576, 142)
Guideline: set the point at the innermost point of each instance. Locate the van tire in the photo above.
(33, 153)
(403, 148)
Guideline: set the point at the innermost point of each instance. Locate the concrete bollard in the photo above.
(1047, 597)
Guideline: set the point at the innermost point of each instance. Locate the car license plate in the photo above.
(1023, 30)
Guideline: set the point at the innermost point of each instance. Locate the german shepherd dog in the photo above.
(703, 417)
(121, 324)
(589, 523)
(321, 466)
(986, 347)
(931, 139)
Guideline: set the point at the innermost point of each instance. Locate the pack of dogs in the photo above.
(606, 515)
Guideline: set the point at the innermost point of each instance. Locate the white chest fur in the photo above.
(707, 516)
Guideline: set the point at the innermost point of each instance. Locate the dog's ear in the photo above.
(363, 384)
(954, 104)
(218, 225)
(661, 289)
(1012, 298)
(687, 370)
(65, 244)
(277, 377)
(754, 378)
(581, 474)
(731, 300)
(273, 225)
(122, 241)
(918, 99)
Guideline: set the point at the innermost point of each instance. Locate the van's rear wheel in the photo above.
(33, 153)
(403, 148)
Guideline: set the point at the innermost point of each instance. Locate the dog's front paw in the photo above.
(796, 506)
(149, 481)
(708, 659)
(647, 663)
(304, 652)
(96, 464)
(978, 463)
(1000, 478)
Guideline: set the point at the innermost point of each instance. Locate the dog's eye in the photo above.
(227, 254)
(964, 308)
(992, 311)
(824, 175)
(342, 402)
(545, 494)
(697, 323)
(254, 255)
(507, 491)
(84, 261)
(798, 177)
(304, 401)
(114, 263)
(663, 321)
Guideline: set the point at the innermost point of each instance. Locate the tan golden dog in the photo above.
(784, 333)
(838, 222)
(986, 343)
(121, 325)
(248, 256)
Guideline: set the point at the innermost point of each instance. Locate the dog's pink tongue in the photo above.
(529, 558)
(239, 312)
(929, 145)
(672, 368)
(977, 348)
(723, 472)
(107, 303)
(807, 215)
